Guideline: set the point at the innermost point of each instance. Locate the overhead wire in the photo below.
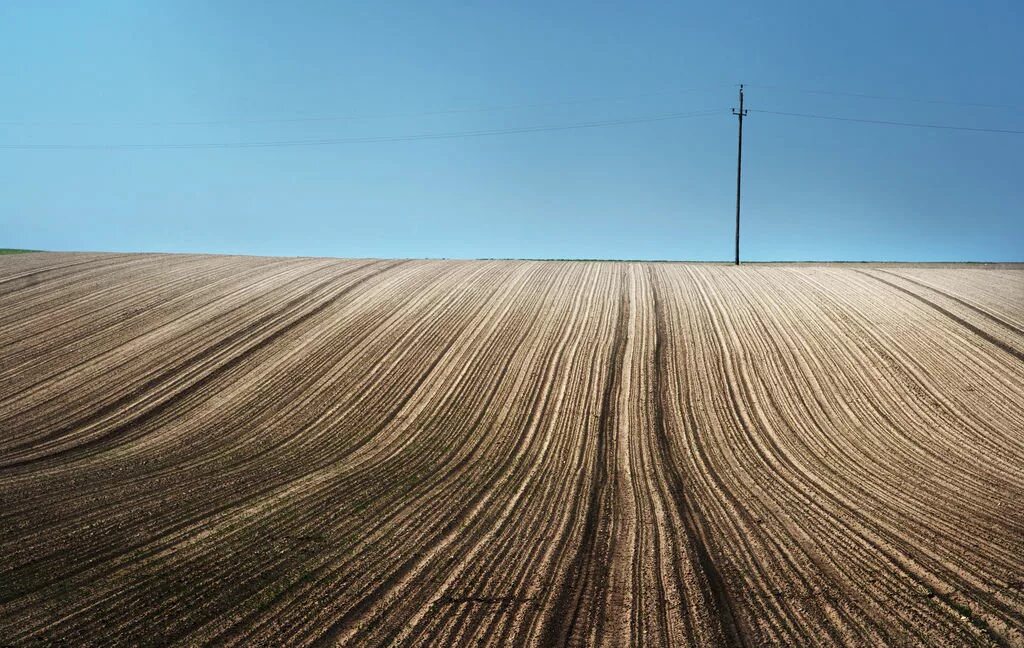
(365, 140)
(860, 95)
(891, 123)
(501, 131)
(334, 118)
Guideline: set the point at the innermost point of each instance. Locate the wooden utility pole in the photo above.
(741, 113)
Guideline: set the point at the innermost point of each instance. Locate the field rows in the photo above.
(257, 451)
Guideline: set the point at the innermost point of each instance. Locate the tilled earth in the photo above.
(268, 451)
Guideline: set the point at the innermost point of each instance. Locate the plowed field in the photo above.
(265, 451)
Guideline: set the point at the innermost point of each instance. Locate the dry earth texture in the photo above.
(262, 451)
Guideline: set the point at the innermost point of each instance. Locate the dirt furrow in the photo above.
(204, 450)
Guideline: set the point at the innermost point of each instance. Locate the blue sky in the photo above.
(112, 73)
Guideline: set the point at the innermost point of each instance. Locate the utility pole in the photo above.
(741, 113)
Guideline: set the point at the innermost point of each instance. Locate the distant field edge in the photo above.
(800, 262)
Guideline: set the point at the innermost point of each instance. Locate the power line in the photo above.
(860, 95)
(892, 123)
(333, 118)
(365, 140)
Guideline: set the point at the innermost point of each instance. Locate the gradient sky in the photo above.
(132, 72)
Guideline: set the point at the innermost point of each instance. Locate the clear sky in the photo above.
(113, 73)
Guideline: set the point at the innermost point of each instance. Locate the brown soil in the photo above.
(265, 451)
